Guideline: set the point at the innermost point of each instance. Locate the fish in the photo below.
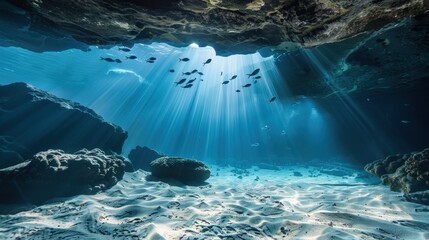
(207, 62)
(225, 82)
(124, 49)
(221, 73)
(233, 77)
(118, 60)
(237, 90)
(194, 71)
(273, 99)
(187, 73)
(200, 73)
(247, 85)
(191, 81)
(172, 70)
(405, 121)
(283, 132)
(254, 145)
(150, 61)
(188, 85)
(180, 81)
(183, 59)
(152, 58)
(256, 81)
(107, 59)
(131, 57)
(266, 127)
(256, 71)
(257, 77)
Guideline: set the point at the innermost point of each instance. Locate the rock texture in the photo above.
(185, 170)
(54, 173)
(408, 173)
(370, 63)
(238, 26)
(141, 157)
(39, 121)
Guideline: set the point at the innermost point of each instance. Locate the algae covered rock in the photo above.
(54, 173)
(185, 170)
(408, 173)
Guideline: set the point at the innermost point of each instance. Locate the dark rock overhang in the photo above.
(231, 27)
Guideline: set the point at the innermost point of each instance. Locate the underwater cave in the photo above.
(241, 119)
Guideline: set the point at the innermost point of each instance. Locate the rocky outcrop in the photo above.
(54, 173)
(184, 170)
(408, 173)
(231, 27)
(141, 157)
(38, 121)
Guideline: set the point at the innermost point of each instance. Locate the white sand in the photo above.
(277, 206)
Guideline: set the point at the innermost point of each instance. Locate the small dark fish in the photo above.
(124, 49)
(237, 91)
(201, 74)
(273, 99)
(188, 85)
(183, 59)
(207, 62)
(150, 61)
(180, 82)
(257, 77)
(256, 81)
(194, 71)
(254, 72)
(191, 81)
(233, 77)
(221, 73)
(132, 57)
(247, 85)
(202, 80)
(172, 70)
(152, 58)
(107, 59)
(118, 60)
(186, 73)
(225, 82)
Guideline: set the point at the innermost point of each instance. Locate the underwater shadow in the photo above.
(175, 182)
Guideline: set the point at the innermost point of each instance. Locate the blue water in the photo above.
(210, 121)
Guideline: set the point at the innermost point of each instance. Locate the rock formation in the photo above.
(231, 27)
(408, 173)
(141, 157)
(187, 171)
(54, 173)
(38, 121)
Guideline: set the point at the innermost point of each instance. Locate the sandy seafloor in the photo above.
(236, 204)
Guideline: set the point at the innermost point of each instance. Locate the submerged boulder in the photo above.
(54, 173)
(408, 173)
(185, 170)
(40, 121)
(141, 157)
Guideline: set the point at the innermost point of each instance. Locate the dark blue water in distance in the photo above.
(213, 122)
